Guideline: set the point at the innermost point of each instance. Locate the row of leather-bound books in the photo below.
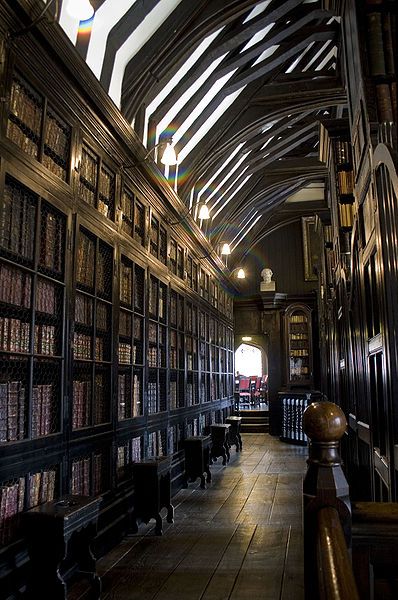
(382, 59)
(32, 490)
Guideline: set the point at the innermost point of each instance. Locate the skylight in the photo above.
(224, 164)
(245, 231)
(236, 190)
(317, 54)
(135, 41)
(107, 15)
(266, 54)
(257, 10)
(222, 107)
(182, 100)
(194, 57)
(257, 37)
(299, 58)
(227, 176)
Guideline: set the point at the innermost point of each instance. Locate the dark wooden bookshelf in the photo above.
(37, 129)
(298, 330)
(107, 357)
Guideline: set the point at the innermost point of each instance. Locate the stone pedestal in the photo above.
(267, 287)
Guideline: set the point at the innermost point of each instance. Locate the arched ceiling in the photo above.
(240, 86)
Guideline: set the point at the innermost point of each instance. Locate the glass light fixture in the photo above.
(169, 157)
(80, 9)
(203, 212)
(246, 338)
(241, 274)
(226, 249)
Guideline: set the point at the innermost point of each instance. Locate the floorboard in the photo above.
(240, 539)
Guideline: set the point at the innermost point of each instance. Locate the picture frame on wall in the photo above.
(310, 248)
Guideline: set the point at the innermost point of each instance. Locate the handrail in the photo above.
(374, 542)
(327, 509)
(335, 575)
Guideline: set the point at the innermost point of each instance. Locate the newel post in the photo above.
(324, 484)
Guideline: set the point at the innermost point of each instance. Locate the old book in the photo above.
(126, 284)
(43, 495)
(46, 416)
(122, 397)
(346, 215)
(34, 489)
(36, 410)
(393, 91)
(86, 477)
(27, 227)
(12, 410)
(49, 241)
(21, 494)
(75, 479)
(384, 104)
(51, 485)
(102, 316)
(97, 474)
(388, 44)
(3, 412)
(45, 297)
(85, 260)
(139, 222)
(136, 396)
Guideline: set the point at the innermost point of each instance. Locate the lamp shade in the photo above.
(80, 9)
(241, 274)
(169, 157)
(226, 249)
(203, 212)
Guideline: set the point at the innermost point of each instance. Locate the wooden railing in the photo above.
(375, 549)
(335, 576)
(333, 533)
(327, 510)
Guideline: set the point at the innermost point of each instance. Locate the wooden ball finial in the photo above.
(324, 422)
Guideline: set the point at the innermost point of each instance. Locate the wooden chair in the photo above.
(256, 392)
(264, 389)
(244, 391)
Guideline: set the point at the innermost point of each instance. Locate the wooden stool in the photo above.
(197, 459)
(219, 438)
(56, 531)
(152, 492)
(234, 436)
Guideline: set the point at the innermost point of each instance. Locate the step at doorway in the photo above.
(254, 421)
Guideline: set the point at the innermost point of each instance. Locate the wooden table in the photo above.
(234, 437)
(152, 492)
(197, 459)
(219, 438)
(58, 531)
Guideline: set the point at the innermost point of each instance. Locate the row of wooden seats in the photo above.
(252, 390)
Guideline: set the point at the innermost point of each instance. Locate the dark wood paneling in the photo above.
(282, 252)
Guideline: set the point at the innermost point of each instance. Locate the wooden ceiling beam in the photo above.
(286, 52)
(174, 41)
(247, 116)
(212, 106)
(229, 42)
(281, 33)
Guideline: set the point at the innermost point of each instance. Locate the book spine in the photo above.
(384, 103)
(388, 43)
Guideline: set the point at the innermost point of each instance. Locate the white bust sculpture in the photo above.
(266, 274)
(267, 285)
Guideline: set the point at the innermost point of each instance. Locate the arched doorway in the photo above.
(249, 360)
(251, 381)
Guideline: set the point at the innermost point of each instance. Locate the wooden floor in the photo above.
(239, 539)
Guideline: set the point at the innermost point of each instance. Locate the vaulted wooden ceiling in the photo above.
(240, 86)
